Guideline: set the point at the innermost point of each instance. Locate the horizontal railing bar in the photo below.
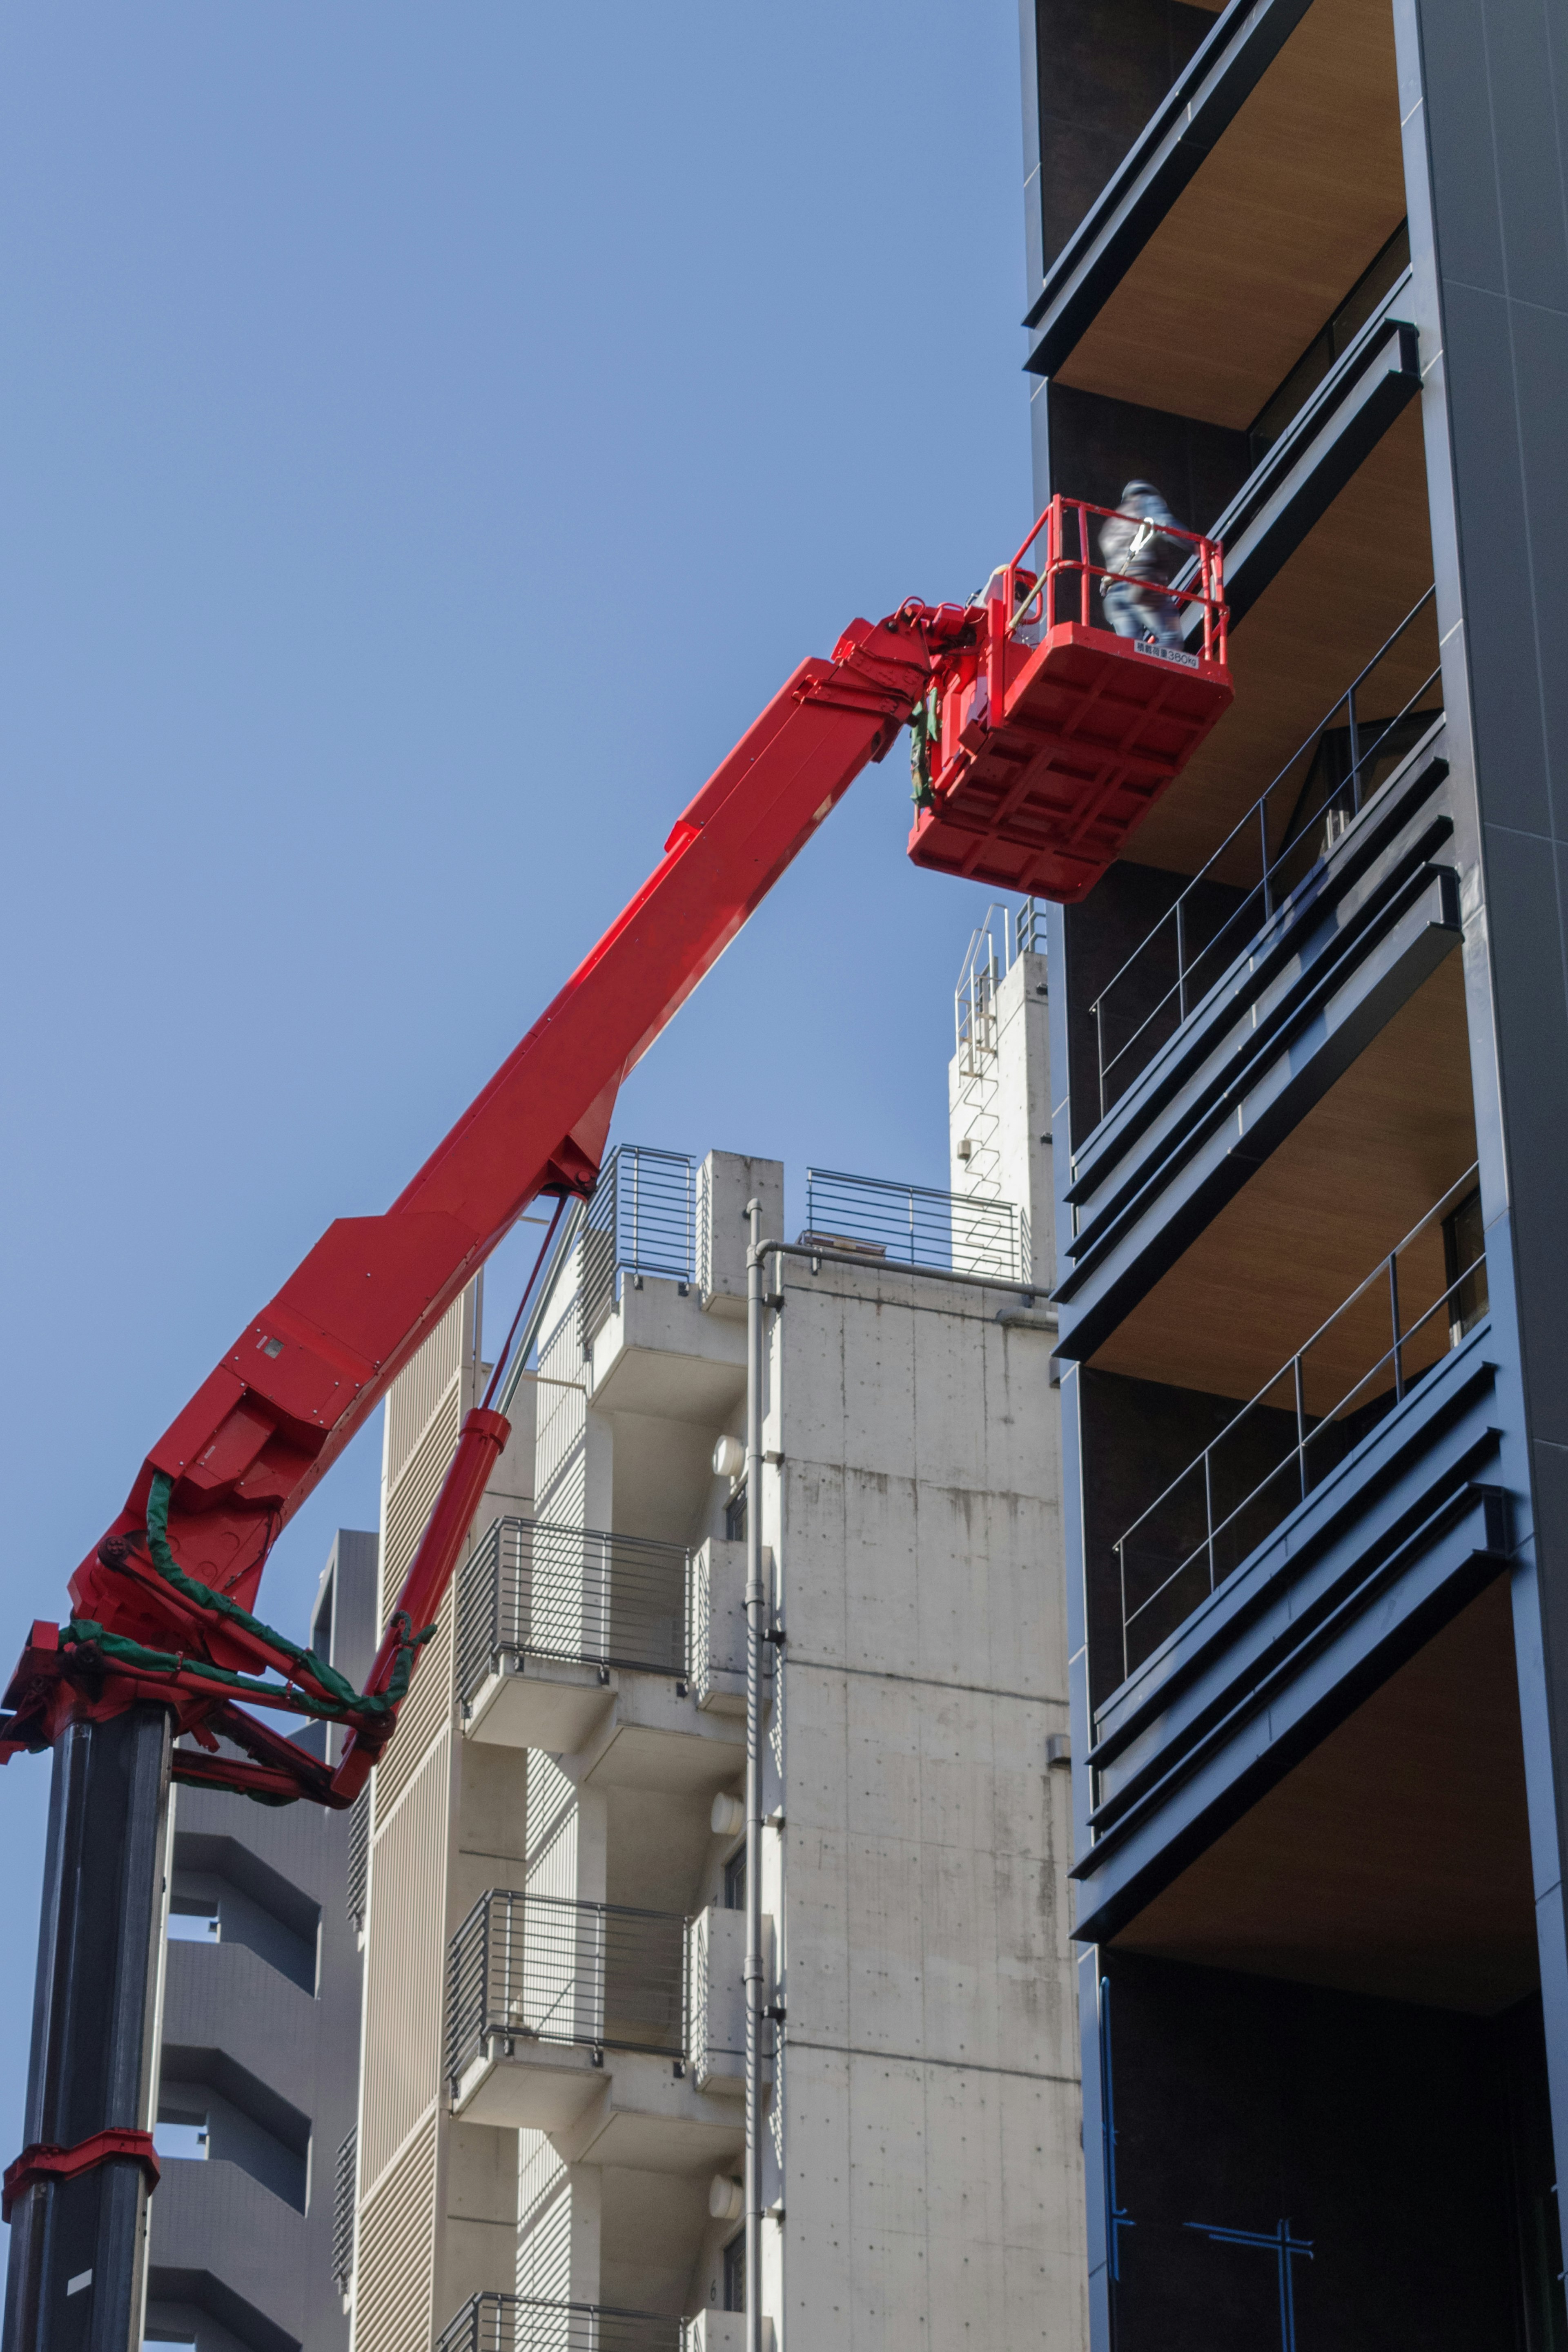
(511, 1897)
(890, 1184)
(1019, 1288)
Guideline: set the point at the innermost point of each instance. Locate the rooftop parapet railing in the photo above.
(541, 1968)
(512, 2323)
(581, 1595)
(911, 1225)
(1415, 1305)
(642, 1220)
(1270, 851)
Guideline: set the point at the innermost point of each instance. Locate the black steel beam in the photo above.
(1314, 459)
(1200, 107)
(79, 2247)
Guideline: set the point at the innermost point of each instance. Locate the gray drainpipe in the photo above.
(755, 1603)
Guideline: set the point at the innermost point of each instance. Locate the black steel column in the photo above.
(77, 2279)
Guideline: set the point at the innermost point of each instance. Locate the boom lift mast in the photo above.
(1046, 740)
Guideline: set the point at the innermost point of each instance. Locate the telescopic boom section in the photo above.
(1043, 738)
(304, 1376)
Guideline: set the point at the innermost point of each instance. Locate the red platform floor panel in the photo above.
(1094, 728)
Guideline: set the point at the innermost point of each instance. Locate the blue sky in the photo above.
(427, 437)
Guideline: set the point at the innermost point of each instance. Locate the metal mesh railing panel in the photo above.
(641, 1219)
(535, 1967)
(343, 2184)
(585, 1595)
(911, 1225)
(510, 2322)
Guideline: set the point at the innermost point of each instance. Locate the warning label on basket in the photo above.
(1168, 652)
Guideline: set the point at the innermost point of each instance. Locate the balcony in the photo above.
(642, 1220)
(510, 2322)
(545, 1615)
(610, 2028)
(1424, 1298)
(1277, 849)
(1339, 1520)
(625, 1654)
(1288, 962)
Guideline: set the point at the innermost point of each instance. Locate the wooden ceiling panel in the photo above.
(1315, 627)
(1395, 1860)
(1357, 1175)
(1298, 197)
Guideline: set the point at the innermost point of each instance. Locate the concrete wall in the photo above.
(921, 2159)
(929, 2111)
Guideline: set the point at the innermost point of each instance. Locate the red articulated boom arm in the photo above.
(1046, 740)
(301, 1378)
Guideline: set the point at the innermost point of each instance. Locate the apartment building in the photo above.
(260, 2045)
(553, 2132)
(1303, 264)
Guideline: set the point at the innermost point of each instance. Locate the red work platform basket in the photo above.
(1056, 735)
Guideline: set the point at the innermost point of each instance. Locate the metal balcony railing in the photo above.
(537, 1967)
(581, 1594)
(512, 2323)
(641, 1219)
(343, 2183)
(1283, 837)
(1415, 1305)
(910, 1224)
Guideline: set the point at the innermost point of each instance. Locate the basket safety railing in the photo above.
(541, 1968)
(585, 1596)
(642, 1220)
(1050, 581)
(912, 1224)
(1415, 1305)
(512, 2323)
(1283, 839)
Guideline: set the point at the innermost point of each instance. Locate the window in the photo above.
(735, 1882)
(183, 2136)
(735, 2272)
(193, 1920)
(735, 1518)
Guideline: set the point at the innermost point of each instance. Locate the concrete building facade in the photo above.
(553, 2119)
(1304, 265)
(258, 2060)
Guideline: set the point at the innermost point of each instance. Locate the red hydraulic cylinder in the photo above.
(479, 1448)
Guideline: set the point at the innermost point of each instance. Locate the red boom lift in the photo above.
(1045, 740)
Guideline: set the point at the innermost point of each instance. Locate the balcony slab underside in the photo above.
(1394, 1543)
(614, 1727)
(628, 2108)
(660, 1354)
(1288, 1019)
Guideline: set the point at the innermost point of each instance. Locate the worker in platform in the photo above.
(1137, 542)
